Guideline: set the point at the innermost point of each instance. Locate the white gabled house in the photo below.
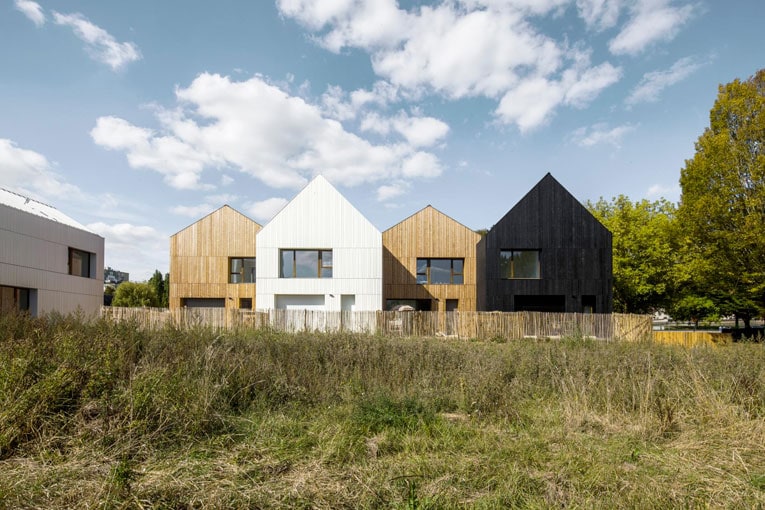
(48, 261)
(319, 253)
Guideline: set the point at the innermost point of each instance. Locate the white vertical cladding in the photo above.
(34, 254)
(319, 217)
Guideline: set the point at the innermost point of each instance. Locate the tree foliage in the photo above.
(722, 209)
(161, 286)
(135, 294)
(644, 251)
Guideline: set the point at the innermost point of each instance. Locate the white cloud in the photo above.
(180, 163)
(31, 10)
(467, 48)
(266, 209)
(654, 83)
(138, 247)
(30, 173)
(600, 14)
(99, 44)
(671, 193)
(261, 130)
(389, 191)
(533, 102)
(651, 21)
(417, 131)
(601, 134)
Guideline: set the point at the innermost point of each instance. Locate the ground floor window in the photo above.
(245, 303)
(552, 304)
(14, 298)
(421, 305)
(203, 302)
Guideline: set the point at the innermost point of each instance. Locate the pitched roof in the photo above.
(31, 206)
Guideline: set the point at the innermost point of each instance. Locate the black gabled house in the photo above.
(549, 254)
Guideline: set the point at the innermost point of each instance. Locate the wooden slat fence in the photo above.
(480, 325)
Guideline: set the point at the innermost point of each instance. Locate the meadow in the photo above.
(110, 415)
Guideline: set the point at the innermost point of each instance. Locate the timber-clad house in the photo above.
(548, 253)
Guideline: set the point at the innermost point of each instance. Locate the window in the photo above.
(516, 264)
(80, 263)
(306, 264)
(245, 303)
(241, 270)
(440, 271)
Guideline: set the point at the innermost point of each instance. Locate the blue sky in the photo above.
(138, 118)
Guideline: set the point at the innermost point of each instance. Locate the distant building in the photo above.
(115, 277)
(48, 261)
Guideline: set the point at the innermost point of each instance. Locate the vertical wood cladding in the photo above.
(429, 233)
(574, 253)
(199, 258)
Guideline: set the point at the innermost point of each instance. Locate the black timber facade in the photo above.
(573, 251)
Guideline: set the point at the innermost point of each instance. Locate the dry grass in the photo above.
(105, 415)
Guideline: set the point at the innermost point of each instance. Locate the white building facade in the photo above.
(48, 261)
(319, 253)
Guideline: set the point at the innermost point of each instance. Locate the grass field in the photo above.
(106, 415)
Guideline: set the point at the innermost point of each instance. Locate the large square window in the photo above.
(306, 264)
(519, 264)
(81, 263)
(241, 270)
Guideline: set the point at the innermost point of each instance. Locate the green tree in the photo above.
(644, 251)
(135, 294)
(722, 208)
(161, 287)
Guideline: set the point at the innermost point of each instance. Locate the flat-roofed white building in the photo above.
(48, 261)
(319, 253)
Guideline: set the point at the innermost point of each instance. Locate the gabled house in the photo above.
(548, 253)
(212, 262)
(429, 263)
(319, 253)
(48, 261)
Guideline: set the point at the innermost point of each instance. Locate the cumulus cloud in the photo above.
(418, 131)
(390, 191)
(653, 83)
(100, 45)
(599, 134)
(139, 247)
(31, 10)
(651, 21)
(467, 48)
(30, 173)
(259, 129)
(266, 209)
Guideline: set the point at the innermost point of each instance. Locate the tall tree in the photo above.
(644, 253)
(722, 209)
(161, 289)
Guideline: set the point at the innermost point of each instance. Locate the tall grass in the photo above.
(97, 413)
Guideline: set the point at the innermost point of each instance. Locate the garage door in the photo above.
(300, 302)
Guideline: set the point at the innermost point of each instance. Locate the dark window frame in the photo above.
(86, 263)
(324, 263)
(510, 274)
(427, 273)
(241, 273)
